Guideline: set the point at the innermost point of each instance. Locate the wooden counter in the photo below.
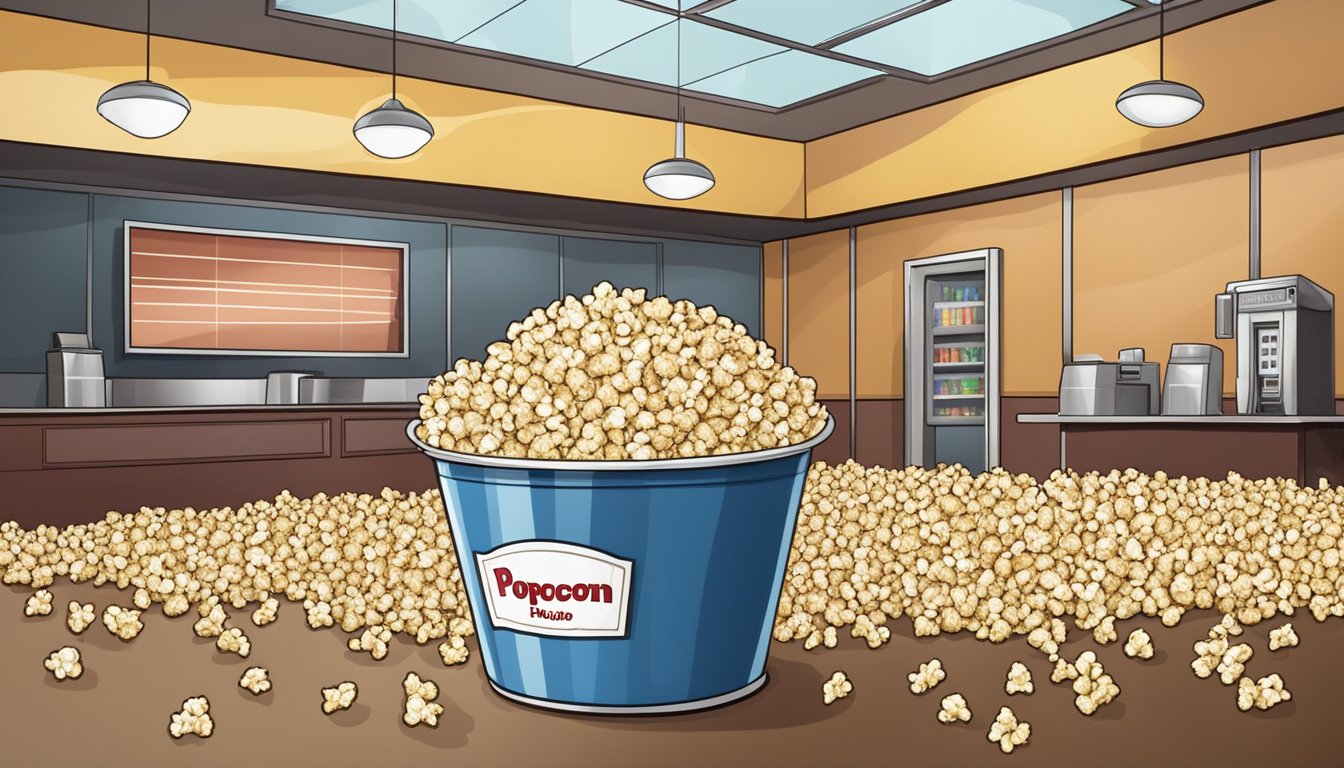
(61, 466)
(1303, 447)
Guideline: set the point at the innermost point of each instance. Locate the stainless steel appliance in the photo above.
(74, 372)
(1285, 332)
(1194, 384)
(952, 355)
(1090, 386)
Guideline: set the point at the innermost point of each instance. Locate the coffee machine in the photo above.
(1285, 332)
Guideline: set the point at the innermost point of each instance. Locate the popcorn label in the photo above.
(555, 588)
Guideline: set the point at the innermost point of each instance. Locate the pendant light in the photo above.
(392, 131)
(144, 108)
(678, 177)
(1160, 103)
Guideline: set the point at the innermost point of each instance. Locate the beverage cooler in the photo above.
(952, 359)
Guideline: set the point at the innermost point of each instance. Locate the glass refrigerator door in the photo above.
(955, 349)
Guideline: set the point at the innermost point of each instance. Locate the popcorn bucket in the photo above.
(624, 587)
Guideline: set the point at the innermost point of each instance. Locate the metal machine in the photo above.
(74, 373)
(1090, 386)
(1285, 336)
(1194, 385)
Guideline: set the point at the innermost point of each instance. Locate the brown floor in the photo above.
(117, 714)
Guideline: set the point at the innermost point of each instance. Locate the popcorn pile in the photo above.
(1139, 645)
(340, 697)
(999, 555)
(927, 676)
(420, 706)
(1216, 653)
(234, 641)
(1090, 681)
(1007, 732)
(357, 561)
(194, 718)
(1282, 637)
(1261, 694)
(954, 709)
(1019, 679)
(255, 679)
(64, 663)
(838, 687)
(613, 375)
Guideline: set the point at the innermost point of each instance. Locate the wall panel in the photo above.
(818, 307)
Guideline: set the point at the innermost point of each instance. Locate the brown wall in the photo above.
(772, 294)
(1302, 221)
(818, 307)
(1150, 252)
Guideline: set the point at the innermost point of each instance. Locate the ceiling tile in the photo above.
(705, 51)
(783, 79)
(564, 31)
(437, 19)
(806, 21)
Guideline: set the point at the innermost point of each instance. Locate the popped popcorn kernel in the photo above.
(64, 662)
(838, 687)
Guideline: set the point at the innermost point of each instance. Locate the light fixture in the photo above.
(144, 108)
(392, 130)
(679, 177)
(1160, 103)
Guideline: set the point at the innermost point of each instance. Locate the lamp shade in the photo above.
(144, 108)
(678, 178)
(1160, 103)
(393, 131)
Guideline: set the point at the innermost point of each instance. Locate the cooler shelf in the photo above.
(957, 330)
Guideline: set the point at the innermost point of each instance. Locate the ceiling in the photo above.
(761, 53)
(788, 69)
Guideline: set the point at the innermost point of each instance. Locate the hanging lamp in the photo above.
(144, 108)
(679, 177)
(392, 131)
(1160, 103)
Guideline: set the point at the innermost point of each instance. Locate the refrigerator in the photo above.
(953, 359)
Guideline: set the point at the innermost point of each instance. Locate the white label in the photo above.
(553, 588)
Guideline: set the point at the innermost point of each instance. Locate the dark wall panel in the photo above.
(499, 276)
(726, 276)
(43, 246)
(426, 305)
(625, 264)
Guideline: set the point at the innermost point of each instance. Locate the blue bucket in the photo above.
(624, 587)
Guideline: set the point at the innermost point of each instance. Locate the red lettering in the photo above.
(532, 591)
(520, 589)
(580, 592)
(604, 590)
(503, 578)
(562, 593)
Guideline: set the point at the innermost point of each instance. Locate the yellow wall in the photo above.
(1302, 221)
(818, 307)
(1150, 252)
(1245, 65)
(1028, 230)
(261, 109)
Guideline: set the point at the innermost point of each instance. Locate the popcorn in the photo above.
(368, 560)
(123, 622)
(255, 679)
(838, 687)
(1105, 633)
(1090, 682)
(954, 709)
(1233, 663)
(1139, 645)
(339, 697)
(64, 663)
(266, 612)
(211, 623)
(926, 677)
(78, 617)
(141, 599)
(420, 706)
(374, 641)
(234, 641)
(39, 604)
(193, 719)
(613, 375)
(874, 634)
(1282, 637)
(1019, 679)
(1007, 732)
(454, 651)
(1261, 694)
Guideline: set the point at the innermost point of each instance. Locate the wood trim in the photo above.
(108, 445)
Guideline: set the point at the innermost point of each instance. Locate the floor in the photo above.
(117, 713)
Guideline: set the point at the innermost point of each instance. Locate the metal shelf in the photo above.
(957, 330)
(980, 396)
(947, 421)
(957, 304)
(958, 366)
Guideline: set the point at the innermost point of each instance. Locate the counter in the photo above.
(68, 465)
(1303, 447)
